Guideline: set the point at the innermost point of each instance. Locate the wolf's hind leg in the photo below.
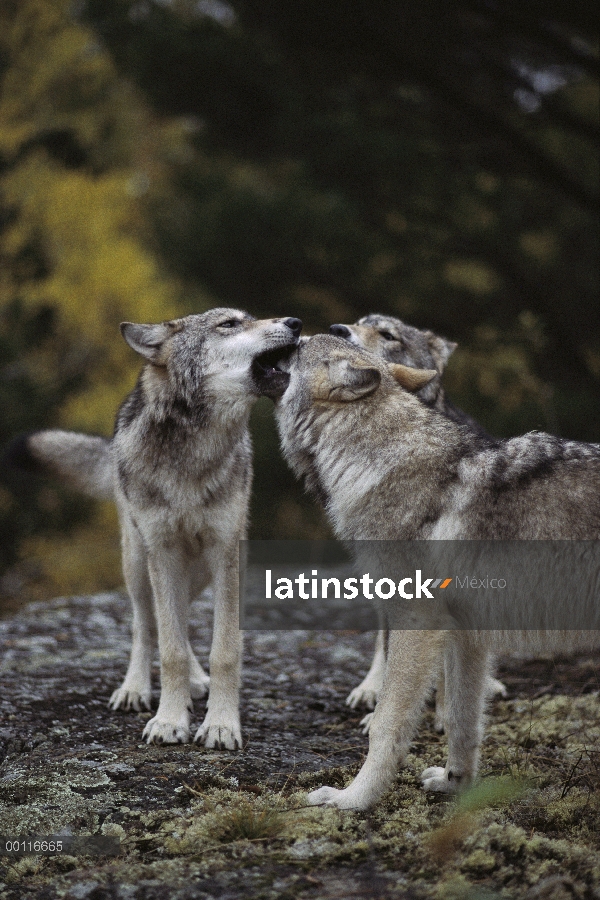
(199, 680)
(494, 688)
(135, 692)
(412, 663)
(367, 692)
(467, 680)
(439, 724)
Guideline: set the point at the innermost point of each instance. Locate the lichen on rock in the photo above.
(206, 824)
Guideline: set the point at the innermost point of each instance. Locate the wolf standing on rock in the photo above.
(179, 467)
(396, 342)
(390, 468)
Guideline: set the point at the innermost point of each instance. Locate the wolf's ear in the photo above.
(348, 382)
(411, 379)
(147, 340)
(441, 350)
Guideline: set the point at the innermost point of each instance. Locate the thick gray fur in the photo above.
(396, 342)
(179, 468)
(388, 467)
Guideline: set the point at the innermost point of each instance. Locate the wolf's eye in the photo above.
(229, 323)
(387, 335)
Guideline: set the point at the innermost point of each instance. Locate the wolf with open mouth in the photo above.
(179, 467)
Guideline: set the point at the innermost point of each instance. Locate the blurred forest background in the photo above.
(436, 161)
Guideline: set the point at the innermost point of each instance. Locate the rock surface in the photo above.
(202, 824)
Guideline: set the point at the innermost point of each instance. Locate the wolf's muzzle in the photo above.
(295, 326)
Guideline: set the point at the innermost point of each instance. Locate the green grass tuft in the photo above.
(245, 822)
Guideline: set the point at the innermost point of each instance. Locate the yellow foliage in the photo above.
(87, 224)
(100, 271)
(84, 561)
(56, 69)
(471, 275)
(501, 368)
(77, 241)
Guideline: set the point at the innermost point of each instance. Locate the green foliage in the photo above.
(244, 822)
(488, 793)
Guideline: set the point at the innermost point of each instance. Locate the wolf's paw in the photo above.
(161, 731)
(365, 723)
(199, 686)
(363, 695)
(328, 796)
(220, 732)
(125, 698)
(436, 779)
(495, 688)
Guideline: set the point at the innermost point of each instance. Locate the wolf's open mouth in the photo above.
(271, 380)
(268, 362)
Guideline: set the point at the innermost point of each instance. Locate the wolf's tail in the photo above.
(80, 461)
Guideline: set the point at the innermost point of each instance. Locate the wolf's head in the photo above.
(325, 369)
(222, 356)
(347, 416)
(338, 389)
(396, 342)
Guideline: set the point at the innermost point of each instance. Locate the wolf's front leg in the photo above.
(413, 659)
(135, 692)
(467, 680)
(221, 726)
(170, 578)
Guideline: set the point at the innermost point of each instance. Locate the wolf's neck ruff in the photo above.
(331, 447)
(170, 395)
(168, 425)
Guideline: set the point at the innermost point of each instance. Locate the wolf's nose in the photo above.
(340, 331)
(295, 326)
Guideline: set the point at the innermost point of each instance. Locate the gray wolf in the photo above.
(179, 467)
(396, 342)
(388, 467)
